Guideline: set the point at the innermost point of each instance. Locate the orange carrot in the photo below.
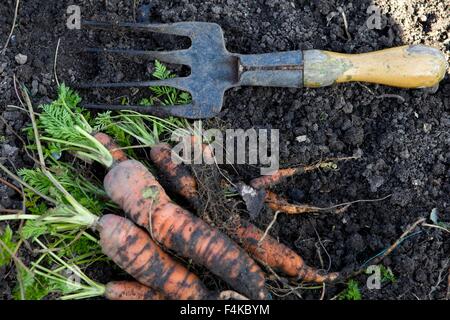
(278, 203)
(270, 261)
(131, 290)
(113, 148)
(178, 176)
(279, 176)
(130, 185)
(132, 249)
(278, 256)
(272, 257)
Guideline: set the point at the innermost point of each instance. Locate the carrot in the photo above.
(278, 203)
(279, 176)
(113, 148)
(277, 255)
(62, 273)
(132, 249)
(130, 290)
(181, 180)
(133, 290)
(272, 257)
(267, 181)
(130, 185)
(178, 176)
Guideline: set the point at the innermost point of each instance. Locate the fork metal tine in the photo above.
(177, 28)
(178, 83)
(176, 56)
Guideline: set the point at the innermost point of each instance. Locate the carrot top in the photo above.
(66, 127)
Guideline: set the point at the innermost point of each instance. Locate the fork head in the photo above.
(213, 68)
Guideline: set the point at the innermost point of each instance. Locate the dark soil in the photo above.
(404, 142)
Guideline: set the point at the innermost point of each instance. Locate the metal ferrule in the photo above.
(280, 69)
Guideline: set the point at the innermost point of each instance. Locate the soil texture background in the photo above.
(401, 137)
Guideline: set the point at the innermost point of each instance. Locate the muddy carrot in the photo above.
(271, 258)
(130, 185)
(177, 175)
(113, 148)
(279, 176)
(130, 290)
(278, 203)
(278, 256)
(272, 261)
(267, 181)
(132, 249)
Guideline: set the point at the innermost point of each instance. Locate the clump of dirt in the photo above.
(401, 136)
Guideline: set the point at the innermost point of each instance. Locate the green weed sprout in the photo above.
(6, 239)
(352, 292)
(386, 274)
(166, 95)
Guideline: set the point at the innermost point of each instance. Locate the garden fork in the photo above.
(214, 70)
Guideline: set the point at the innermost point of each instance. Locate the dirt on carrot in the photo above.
(265, 249)
(132, 249)
(117, 153)
(278, 256)
(131, 185)
(178, 176)
(131, 290)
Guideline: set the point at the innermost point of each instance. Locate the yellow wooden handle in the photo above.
(415, 66)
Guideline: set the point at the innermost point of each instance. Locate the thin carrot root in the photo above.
(278, 256)
(264, 182)
(132, 249)
(177, 175)
(113, 148)
(278, 203)
(267, 181)
(131, 290)
(135, 190)
(274, 258)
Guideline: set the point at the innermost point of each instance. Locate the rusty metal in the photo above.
(214, 69)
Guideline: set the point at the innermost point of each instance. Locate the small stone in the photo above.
(303, 138)
(9, 151)
(216, 9)
(375, 182)
(3, 67)
(427, 127)
(34, 87)
(404, 154)
(21, 59)
(348, 108)
(423, 18)
(357, 153)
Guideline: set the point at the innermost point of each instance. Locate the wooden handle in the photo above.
(415, 66)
